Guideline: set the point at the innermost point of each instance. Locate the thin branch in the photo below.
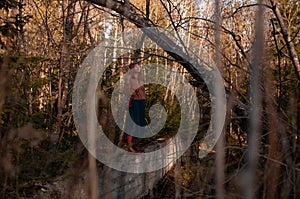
(250, 5)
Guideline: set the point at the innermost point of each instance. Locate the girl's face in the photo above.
(137, 68)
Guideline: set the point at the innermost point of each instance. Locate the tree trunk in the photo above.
(272, 168)
(4, 76)
(64, 72)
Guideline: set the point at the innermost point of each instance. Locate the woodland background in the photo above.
(256, 46)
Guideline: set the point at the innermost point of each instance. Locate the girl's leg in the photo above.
(130, 144)
(129, 139)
